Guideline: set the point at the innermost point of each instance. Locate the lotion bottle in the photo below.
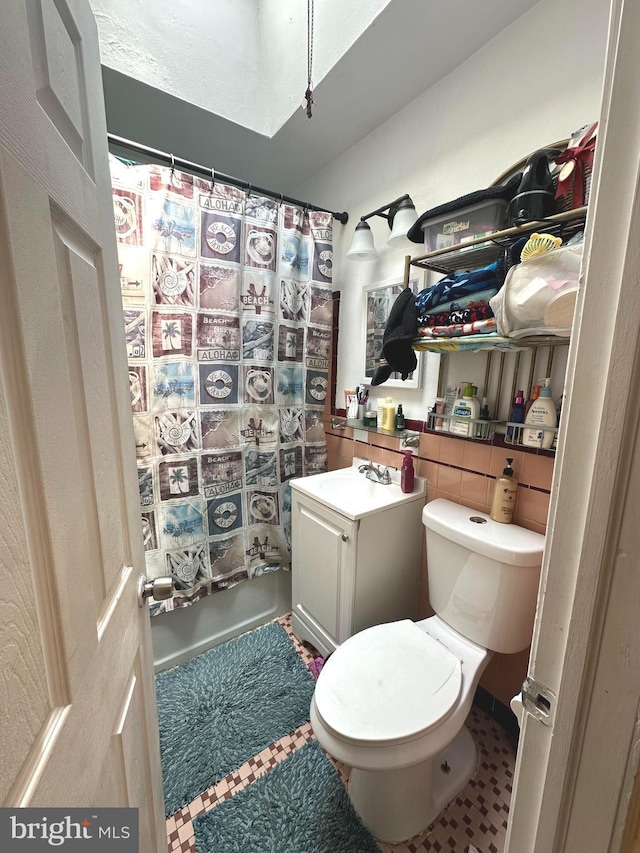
(504, 496)
(541, 414)
(465, 409)
(388, 415)
(407, 473)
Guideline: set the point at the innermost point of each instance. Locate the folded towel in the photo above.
(476, 311)
(457, 330)
(459, 285)
(469, 342)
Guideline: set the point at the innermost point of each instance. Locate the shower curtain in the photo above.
(227, 310)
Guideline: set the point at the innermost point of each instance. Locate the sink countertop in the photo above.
(353, 495)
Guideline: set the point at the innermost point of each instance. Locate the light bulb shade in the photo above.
(362, 247)
(401, 219)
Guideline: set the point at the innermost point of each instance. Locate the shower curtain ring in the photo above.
(173, 163)
(213, 180)
(250, 189)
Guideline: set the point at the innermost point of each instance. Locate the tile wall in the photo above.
(463, 471)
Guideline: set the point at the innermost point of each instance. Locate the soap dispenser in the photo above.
(407, 474)
(542, 413)
(504, 496)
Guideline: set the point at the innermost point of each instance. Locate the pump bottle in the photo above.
(541, 414)
(407, 473)
(504, 496)
(465, 410)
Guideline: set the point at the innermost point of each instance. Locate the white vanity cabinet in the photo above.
(352, 569)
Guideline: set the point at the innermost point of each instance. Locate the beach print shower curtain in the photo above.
(227, 311)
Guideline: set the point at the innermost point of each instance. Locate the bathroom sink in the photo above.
(352, 494)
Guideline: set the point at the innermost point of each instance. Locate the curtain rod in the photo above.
(171, 160)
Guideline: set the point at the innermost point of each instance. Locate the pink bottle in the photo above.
(407, 472)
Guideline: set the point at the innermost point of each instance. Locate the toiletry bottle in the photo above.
(504, 496)
(407, 472)
(399, 417)
(541, 414)
(438, 421)
(535, 393)
(388, 414)
(465, 409)
(484, 430)
(451, 395)
(516, 417)
(554, 445)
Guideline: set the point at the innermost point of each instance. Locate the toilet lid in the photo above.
(391, 682)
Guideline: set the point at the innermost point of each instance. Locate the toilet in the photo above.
(392, 700)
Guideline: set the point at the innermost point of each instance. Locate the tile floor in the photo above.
(478, 816)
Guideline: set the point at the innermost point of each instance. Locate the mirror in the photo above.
(378, 300)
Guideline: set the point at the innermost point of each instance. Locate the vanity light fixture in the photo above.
(400, 214)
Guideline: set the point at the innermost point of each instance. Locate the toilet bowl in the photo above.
(413, 730)
(391, 701)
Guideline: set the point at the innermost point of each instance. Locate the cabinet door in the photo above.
(323, 570)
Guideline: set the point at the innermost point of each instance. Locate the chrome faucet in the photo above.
(375, 473)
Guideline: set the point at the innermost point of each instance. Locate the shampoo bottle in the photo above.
(535, 393)
(388, 415)
(516, 417)
(504, 496)
(465, 409)
(541, 414)
(407, 472)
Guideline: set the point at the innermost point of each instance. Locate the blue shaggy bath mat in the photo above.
(222, 707)
(300, 806)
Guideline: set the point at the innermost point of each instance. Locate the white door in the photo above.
(79, 724)
(577, 763)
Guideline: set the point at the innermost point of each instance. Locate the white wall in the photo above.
(184, 49)
(244, 60)
(533, 84)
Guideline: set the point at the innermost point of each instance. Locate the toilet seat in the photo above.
(387, 684)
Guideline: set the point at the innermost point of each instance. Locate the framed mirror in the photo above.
(378, 300)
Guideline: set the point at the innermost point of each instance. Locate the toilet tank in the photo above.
(483, 575)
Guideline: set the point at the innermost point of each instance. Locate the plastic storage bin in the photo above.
(468, 223)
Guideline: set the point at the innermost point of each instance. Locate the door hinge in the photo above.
(539, 701)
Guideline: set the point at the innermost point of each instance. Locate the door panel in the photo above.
(77, 680)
